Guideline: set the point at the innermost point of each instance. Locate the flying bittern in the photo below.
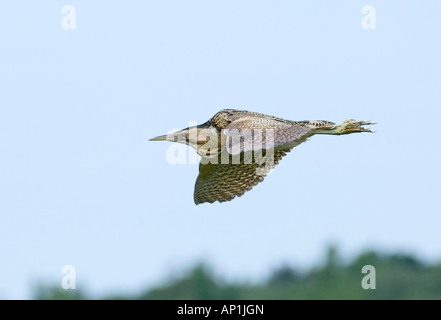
(239, 148)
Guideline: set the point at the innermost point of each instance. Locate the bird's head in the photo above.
(204, 138)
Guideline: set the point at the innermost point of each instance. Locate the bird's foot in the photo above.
(351, 126)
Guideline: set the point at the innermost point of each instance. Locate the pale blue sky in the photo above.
(80, 183)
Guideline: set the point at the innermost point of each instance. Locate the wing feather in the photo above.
(223, 182)
(282, 136)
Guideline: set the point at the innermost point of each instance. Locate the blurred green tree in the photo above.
(398, 276)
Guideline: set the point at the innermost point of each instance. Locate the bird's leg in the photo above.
(346, 127)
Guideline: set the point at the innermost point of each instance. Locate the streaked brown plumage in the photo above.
(239, 148)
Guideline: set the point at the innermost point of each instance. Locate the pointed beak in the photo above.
(190, 135)
(160, 138)
(179, 136)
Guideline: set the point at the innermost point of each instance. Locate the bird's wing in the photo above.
(277, 135)
(222, 182)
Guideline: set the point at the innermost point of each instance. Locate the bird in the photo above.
(238, 148)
